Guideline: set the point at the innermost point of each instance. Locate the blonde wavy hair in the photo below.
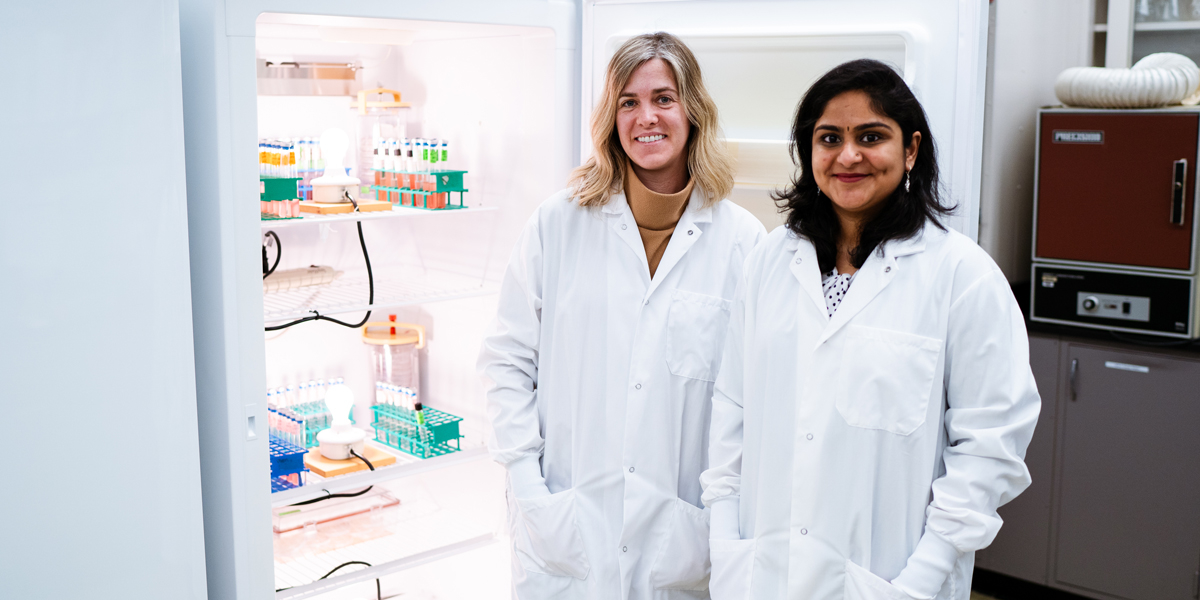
(708, 161)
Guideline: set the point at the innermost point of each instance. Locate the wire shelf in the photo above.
(397, 212)
(420, 529)
(349, 294)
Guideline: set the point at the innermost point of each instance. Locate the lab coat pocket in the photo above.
(732, 567)
(682, 562)
(696, 334)
(861, 584)
(886, 379)
(551, 544)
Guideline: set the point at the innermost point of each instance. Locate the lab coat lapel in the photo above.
(687, 231)
(806, 270)
(870, 280)
(621, 222)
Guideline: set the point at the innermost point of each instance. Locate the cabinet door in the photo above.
(1129, 510)
(1021, 549)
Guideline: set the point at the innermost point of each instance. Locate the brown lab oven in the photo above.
(1115, 237)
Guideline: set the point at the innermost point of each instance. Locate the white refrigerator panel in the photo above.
(102, 491)
(759, 57)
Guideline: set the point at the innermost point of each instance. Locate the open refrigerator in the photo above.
(511, 84)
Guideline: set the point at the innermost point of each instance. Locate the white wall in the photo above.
(102, 478)
(1032, 42)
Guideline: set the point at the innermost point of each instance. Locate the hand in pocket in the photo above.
(552, 544)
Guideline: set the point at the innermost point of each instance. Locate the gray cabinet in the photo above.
(1114, 509)
(1022, 548)
(1128, 507)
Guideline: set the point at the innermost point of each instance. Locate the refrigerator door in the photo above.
(759, 58)
(1117, 188)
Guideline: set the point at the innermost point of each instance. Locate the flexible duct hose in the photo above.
(1159, 79)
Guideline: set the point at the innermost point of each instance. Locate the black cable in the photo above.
(278, 255)
(362, 458)
(316, 316)
(1152, 343)
(378, 589)
(329, 496)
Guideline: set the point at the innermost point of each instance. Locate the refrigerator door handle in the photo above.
(1178, 191)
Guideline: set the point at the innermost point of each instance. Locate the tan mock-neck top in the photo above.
(656, 215)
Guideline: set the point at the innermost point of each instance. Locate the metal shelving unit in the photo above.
(404, 466)
(349, 294)
(423, 528)
(396, 212)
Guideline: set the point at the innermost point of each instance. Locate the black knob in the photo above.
(1090, 303)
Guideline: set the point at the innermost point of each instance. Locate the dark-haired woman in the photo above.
(875, 399)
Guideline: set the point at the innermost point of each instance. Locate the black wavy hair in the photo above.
(810, 214)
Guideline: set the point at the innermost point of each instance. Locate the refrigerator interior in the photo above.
(490, 90)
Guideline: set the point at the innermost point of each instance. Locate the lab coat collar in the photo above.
(806, 270)
(879, 270)
(687, 231)
(875, 275)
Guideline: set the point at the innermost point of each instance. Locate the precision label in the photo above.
(1078, 137)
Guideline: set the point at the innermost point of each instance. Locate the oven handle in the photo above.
(1178, 191)
(1074, 376)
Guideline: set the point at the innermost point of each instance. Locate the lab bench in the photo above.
(1114, 509)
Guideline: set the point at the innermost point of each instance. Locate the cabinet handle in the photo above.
(1178, 191)
(1074, 376)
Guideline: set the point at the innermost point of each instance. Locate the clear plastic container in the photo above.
(395, 353)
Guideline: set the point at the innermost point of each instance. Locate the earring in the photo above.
(906, 181)
(818, 192)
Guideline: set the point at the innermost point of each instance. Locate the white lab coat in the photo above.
(606, 376)
(877, 441)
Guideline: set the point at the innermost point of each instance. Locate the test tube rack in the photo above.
(277, 189)
(398, 427)
(410, 190)
(318, 410)
(287, 463)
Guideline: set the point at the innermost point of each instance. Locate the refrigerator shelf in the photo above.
(349, 294)
(405, 466)
(436, 517)
(396, 212)
(386, 556)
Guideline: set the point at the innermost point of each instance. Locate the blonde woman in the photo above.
(608, 338)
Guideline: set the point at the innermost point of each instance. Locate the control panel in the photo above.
(1103, 298)
(1132, 308)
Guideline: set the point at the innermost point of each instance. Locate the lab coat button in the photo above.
(624, 226)
(630, 469)
(803, 532)
(689, 232)
(809, 436)
(624, 548)
(887, 270)
(798, 260)
(637, 386)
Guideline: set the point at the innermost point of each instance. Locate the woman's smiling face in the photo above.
(651, 121)
(859, 156)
